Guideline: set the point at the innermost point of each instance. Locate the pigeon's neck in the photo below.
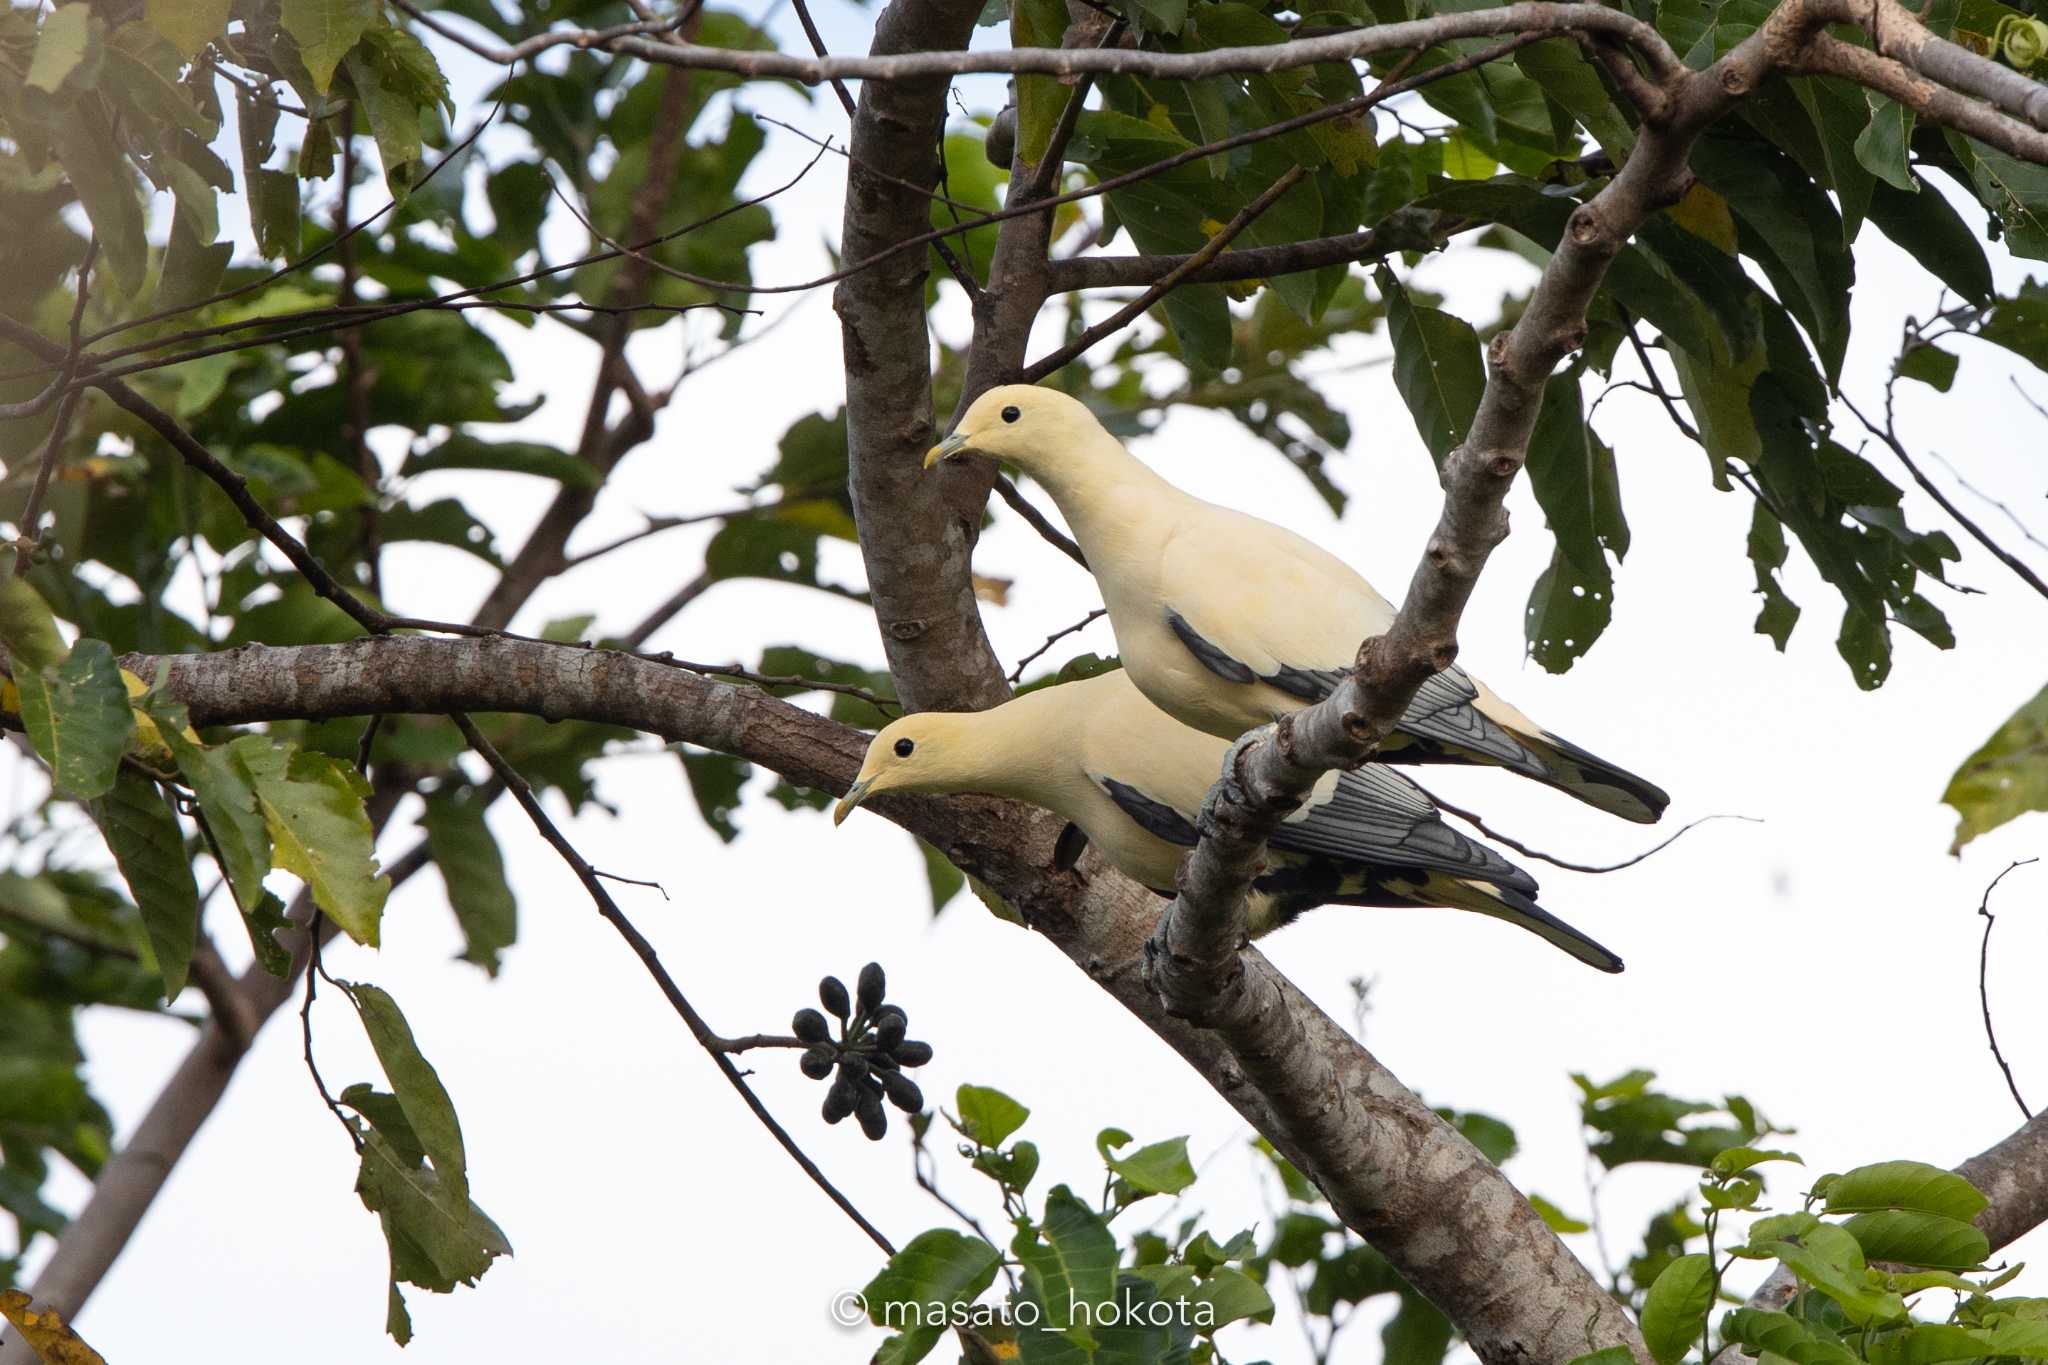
(1099, 484)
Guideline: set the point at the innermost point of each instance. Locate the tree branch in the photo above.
(896, 64)
(912, 534)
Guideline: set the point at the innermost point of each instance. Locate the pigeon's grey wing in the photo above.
(1376, 816)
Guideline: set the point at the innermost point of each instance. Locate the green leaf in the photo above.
(1675, 1313)
(1736, 1160)
(944, 879)
(1787, 225)
(1232, 1296)
(1929, 1343)
(1767, 551)
(1555, 1218)
(2006, 777)
(189, 24)
(435, 1242)
(1037, 23)
(461, 451)
(27, 628)
(1832, 1261)
(1881, 146)
(149, 848)
(1161, 1168)
(2015, 192)
(1573, 476)
(1904, 1185)
(325, 31)
(473, 871)
(67, 49)
(84, 143)
(429, 1113)
(393, 112)
(715, 781)
(1778, 1335)
(77, 717)
(1437, 368)
(1929, 364)
(937, 1267)
(1417, 1334)
(1909, 1237)
(313, 807)
(274, 211)
(1928, 227)
(988, 1116)
(2020, 324)
(1069, 1264)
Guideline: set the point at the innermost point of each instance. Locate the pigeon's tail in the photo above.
(1594, 780)
(1505, 903)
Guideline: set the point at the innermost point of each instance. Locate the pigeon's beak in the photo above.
(946, 449)
(850, 802)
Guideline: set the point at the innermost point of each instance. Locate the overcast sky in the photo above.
(1823, 962)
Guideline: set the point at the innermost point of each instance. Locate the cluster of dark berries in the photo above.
(869, 1055)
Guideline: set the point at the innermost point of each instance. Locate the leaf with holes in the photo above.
(78, 719)
(313, 807)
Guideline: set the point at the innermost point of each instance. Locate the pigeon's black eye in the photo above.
(903, 748)
(1010, 414)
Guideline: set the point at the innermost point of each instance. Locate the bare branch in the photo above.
(1473, 819)
(1017, 673)
(1531, 16)
(1130, 312)
(1984, 985)
(1889, 435)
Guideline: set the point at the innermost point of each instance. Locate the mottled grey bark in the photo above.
(915, 537)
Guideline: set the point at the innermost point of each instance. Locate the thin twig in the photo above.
(1473, 819)
(702, 1032)
(60, 425)
(1122, 317)
(1039, 521)
(314, 972)
(1983, 986)
(2026, 532)
(1017, 673)
(1889, 436)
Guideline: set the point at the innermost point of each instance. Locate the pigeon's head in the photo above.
(926, 752)
(1022, 423)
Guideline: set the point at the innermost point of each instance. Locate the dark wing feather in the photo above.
(1377, 816)
(1154, 817)
(1441, 716)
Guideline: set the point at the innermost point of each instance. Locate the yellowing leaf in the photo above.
(313, 807)
(78, 719)
(326, 30)
(45, 1332)
(2006, 777)
(27, 628)
(1464, 161)
(1705, 215)
(189, 24)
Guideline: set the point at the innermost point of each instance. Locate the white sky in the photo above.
(1822, 963)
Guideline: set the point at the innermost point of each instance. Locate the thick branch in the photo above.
(897, 64)
(912, 535)
(1900, 35)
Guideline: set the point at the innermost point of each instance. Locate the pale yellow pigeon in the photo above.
(1132, 779)
(1227, 622)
